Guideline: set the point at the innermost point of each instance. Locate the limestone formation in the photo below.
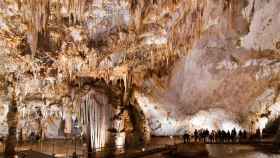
(114, 66)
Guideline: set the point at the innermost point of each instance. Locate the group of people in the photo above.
(34, 137)
(220, 136)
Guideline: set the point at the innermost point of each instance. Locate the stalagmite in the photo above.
(12, 124)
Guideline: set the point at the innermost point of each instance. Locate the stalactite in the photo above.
(252, 11)
(231, 10)
(152, 59)
(36, 13)
(75, 10)
(127, 85)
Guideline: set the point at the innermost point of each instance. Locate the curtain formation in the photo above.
(96, 113)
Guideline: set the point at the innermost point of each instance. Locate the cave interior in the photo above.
(136, 78)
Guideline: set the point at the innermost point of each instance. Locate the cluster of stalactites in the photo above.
(234, 7)
(186, 27)
(193, 20)
(189, 24)
(75, 9)
(36, 13)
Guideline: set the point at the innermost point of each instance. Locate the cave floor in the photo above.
(161, 147)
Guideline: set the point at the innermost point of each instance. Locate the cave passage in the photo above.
(139, 78)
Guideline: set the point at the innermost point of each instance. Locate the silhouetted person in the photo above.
(32, 137)
(228, 136)
(258, 134)
(263, 133)
(223, 136)
(37, 137)
(75, 155)
(240, 135)
(212, 136)
(233, 135)
(186, 137)
(200, 134)
(195, 135)
(217, 136)
(245, 135)
(205, 135)
(23, 155)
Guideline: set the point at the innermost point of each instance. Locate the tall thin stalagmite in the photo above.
(12, 124)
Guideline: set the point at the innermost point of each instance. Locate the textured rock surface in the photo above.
(229, 78)
(190, 63)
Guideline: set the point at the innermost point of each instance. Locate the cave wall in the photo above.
(230, 76)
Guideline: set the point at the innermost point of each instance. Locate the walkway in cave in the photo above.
(33, 154)
(159, 146)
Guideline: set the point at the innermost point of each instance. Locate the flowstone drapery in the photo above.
(95, 114)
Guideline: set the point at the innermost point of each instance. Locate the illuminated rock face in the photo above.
(222, 83)
(264, 30)
(4, 108)
(190, 63)
(205, 94)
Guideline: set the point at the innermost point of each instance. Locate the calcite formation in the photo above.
(169, 65)
(227, 80)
